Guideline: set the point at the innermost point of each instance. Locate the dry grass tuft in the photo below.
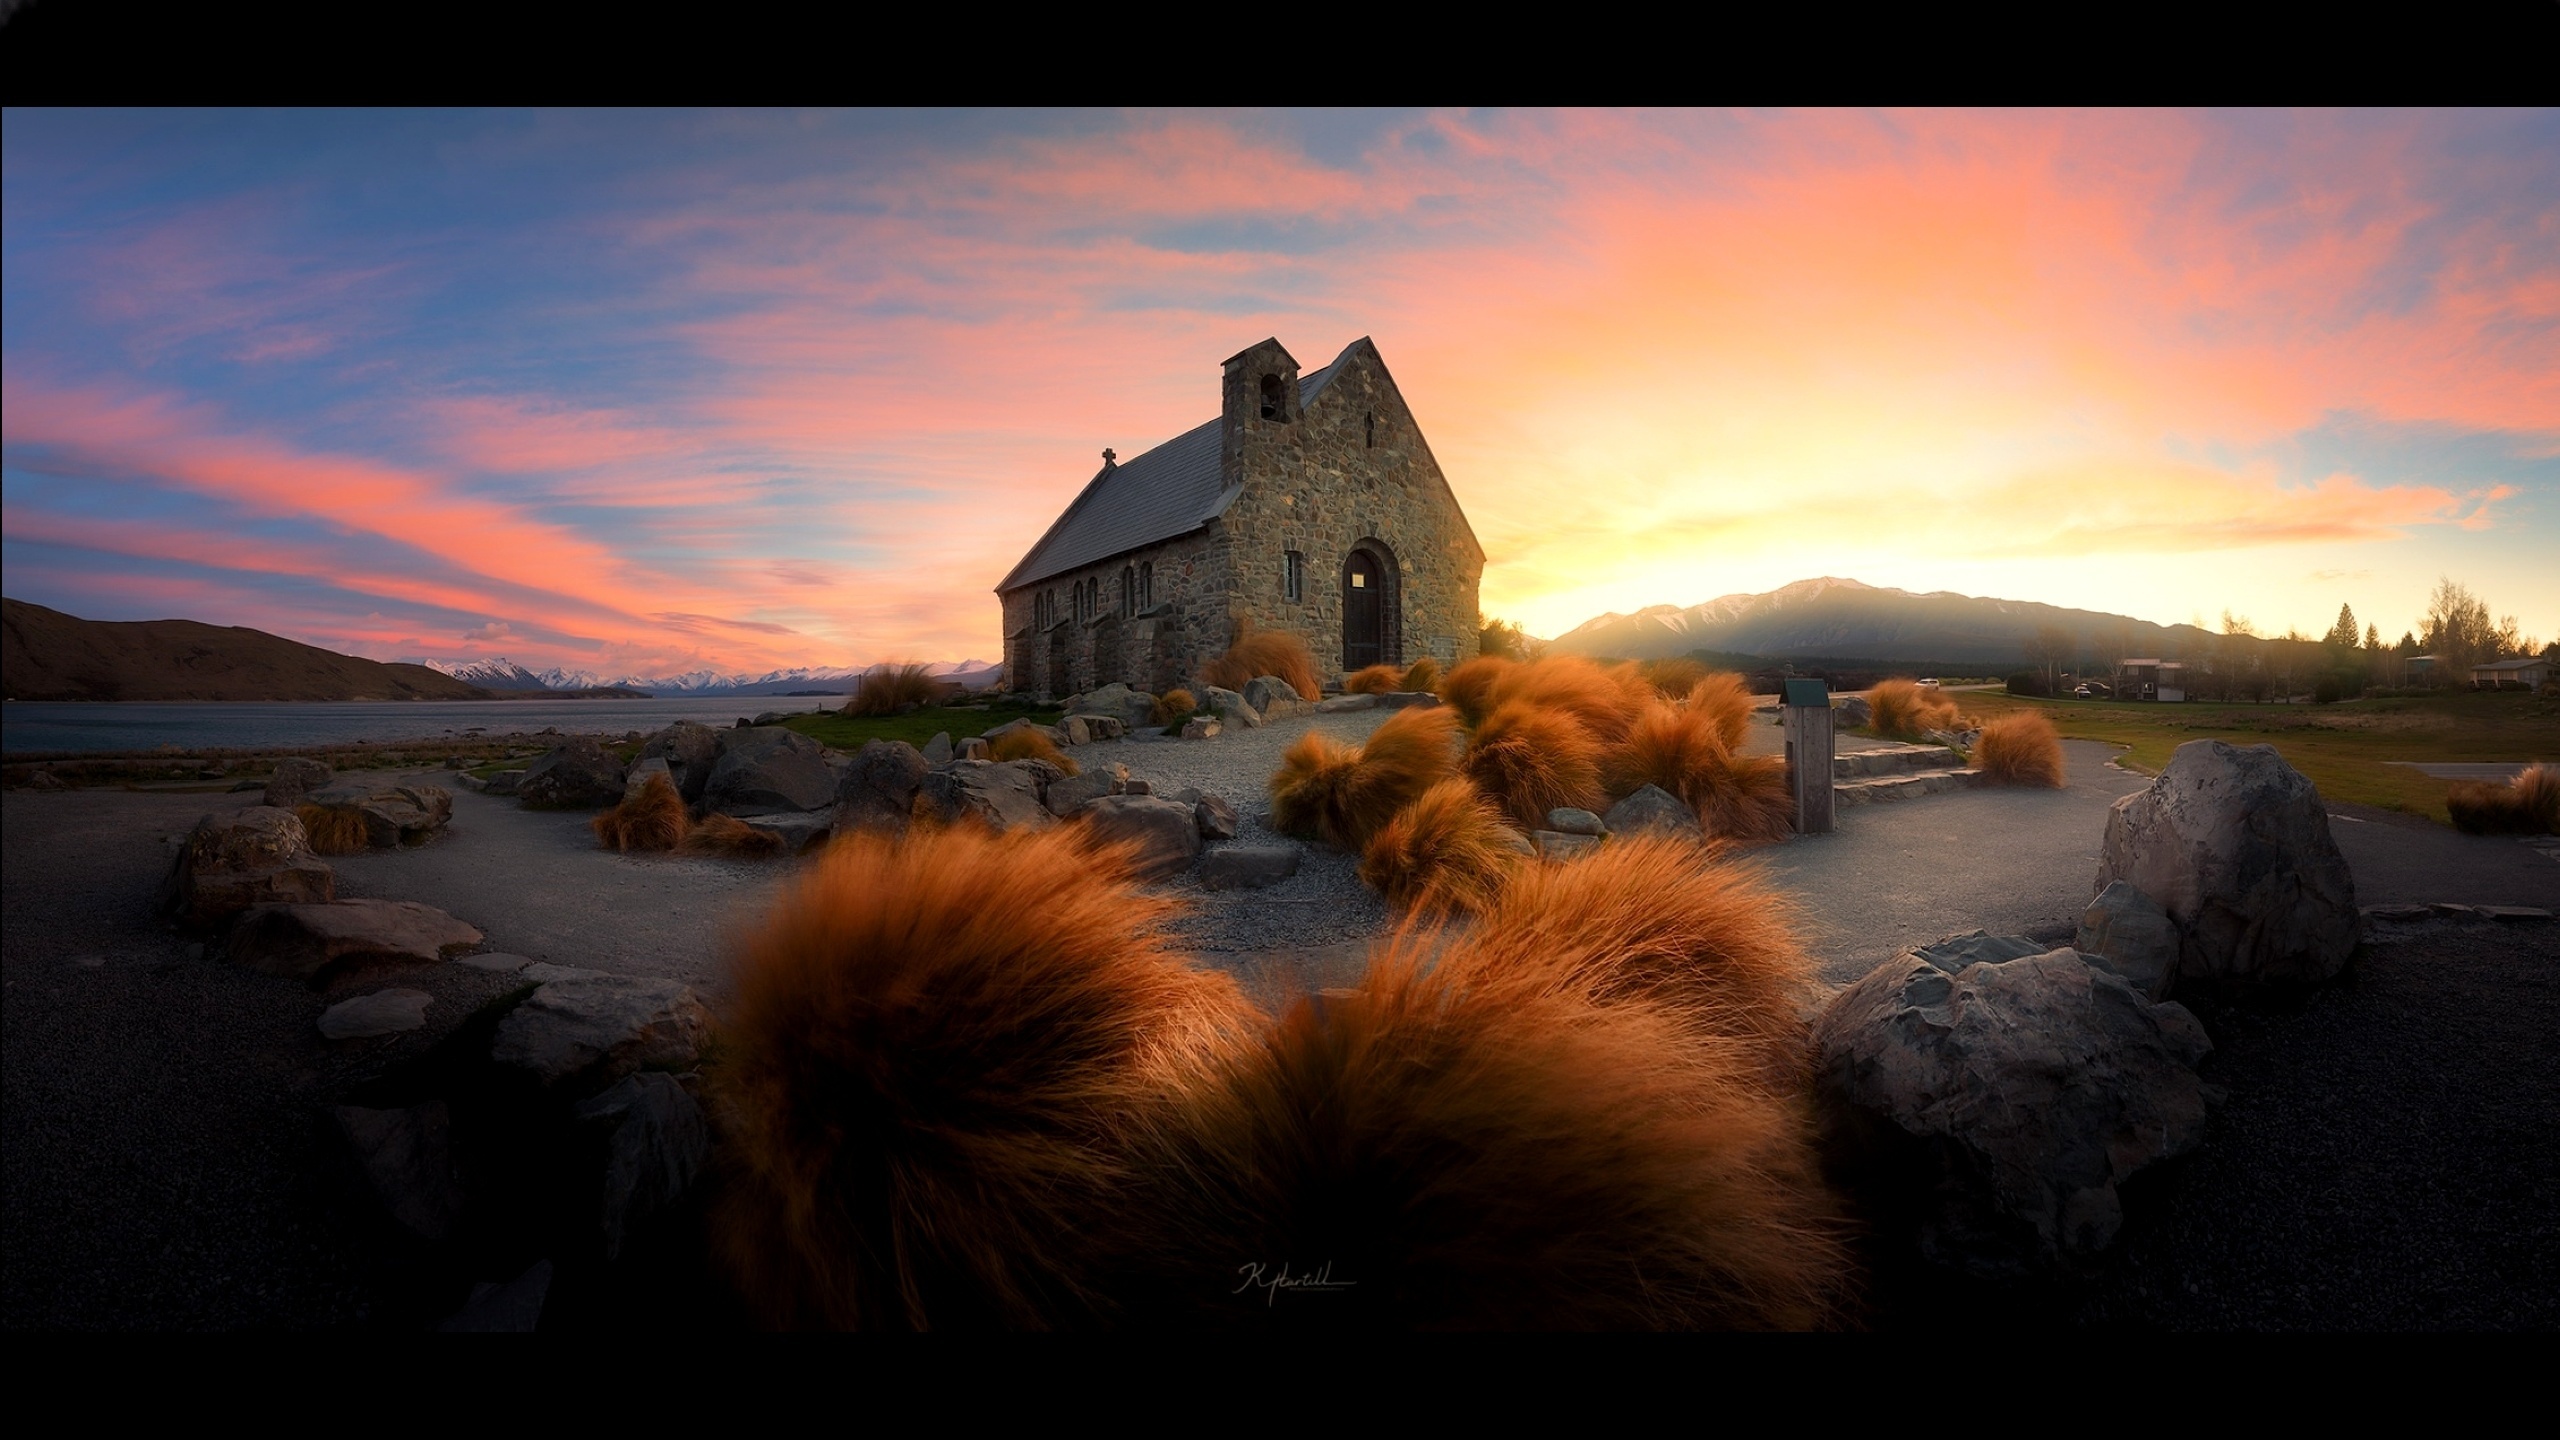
(1668, 746)
(1257, 653)
(334, 829)
(2526, 805)
(729, 835)
(1373, 680)
(1174, 706)
(654, 819)
(1329, 791)
(1533, 760)
(1605, 703)
(1447, 852)
(886, 689)
(1468, 689)
(927, 1099)
(1030, 744)
(1905, 710)
(1673, 678)
(1743, 799)
(1420, 676)
(1725, 699)
(2020, 748)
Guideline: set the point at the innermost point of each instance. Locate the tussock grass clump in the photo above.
(1743, 799)
(1174, 706)
(729, 835)
(1901, 708)
(1468, 689)
(1479, 1149)
(1673, 678)
(1421, 675)
(2020, 748)
(1725, 699)
(1602, 702)
(1029, 744)
(886, 689)
(653, 819)
(1532, 760)
(1372, 680)
(1676, 748)
(2526, 805)
(928, 1098)
(1447, 852)
(1257, 653)
(334, 829)
(1339, 794)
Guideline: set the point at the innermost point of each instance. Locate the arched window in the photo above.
(1146, 584)
(1275, 401)
(1128, 591)
(1293, 576)
(1372, 439)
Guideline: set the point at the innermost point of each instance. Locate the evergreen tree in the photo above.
(2343, 634)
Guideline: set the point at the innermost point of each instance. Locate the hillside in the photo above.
(47, 655)
(1843, 619)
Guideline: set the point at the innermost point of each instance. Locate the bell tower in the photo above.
(1260, 405)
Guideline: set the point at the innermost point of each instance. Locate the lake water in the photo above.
(91, 728)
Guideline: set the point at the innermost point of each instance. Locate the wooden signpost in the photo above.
(1807, 708)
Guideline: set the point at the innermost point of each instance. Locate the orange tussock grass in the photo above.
(1030, 744)
(1473, 1149)
(1903, 708)
(1172, 707)
(1603, 702)
(334, 829)
(1534, 760)
(1744, 799)
(1373, 680)
(1725, 698)
(1645, 919)
(1257, 653)
(2020, 748)
(887, 687)
(2526, 805)
(926, 1097)
(654, 819)
(1423, 674)
(1468, 689)
(1677, 749)
(1447, 852)
(1673, 678)
(1332, 792)
(729, 835)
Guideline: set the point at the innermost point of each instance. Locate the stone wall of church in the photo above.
(1161, 647)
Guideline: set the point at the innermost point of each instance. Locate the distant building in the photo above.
(2529, 673)
(2422, 669)
(2151, 680)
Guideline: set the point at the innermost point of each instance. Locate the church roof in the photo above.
(1171, 490)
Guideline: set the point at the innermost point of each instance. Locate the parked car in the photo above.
(1928, 682)
(2095, 690)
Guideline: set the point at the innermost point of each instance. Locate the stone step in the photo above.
(1896, 760)
(1909, 785)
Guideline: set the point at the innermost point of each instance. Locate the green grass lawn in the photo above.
(2345, 749)
(847, 732)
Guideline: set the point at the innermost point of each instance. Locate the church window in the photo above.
(1275, 404)
(1372, 440)
(1146, 583)
(1293, 575)
(1128, 591)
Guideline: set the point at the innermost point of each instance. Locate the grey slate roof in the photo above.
(1171, 490)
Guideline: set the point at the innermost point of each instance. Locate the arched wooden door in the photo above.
(1363, 611)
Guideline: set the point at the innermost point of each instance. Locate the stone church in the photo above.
(1312, 504)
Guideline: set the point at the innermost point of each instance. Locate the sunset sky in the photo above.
(643, 393)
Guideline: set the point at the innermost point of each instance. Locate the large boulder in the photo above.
(1066, 796)
(1338, 704)
(1272, 697)
(2233, 843)
(258, 855)
(656, 1142)
(1248, 867)
(1232, 705)
(576, 775)
(877, 790)
(589, 1030)
(393, 815)
(302, 942)
(2135, 938)
(1166, 833)
(295, 777)
(2006, 1100)
(690, 750)
(1133, 708)
(406, 1156)
(1052, 733)
(767, 769)
(1851, 711)
(937, 751)
(384, 1012)
(1096, 727)
(1002, 796)
(1653, 808)
(645, 769)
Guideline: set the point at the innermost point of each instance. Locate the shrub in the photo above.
(1744, 799)
(887, 689)
(1257, 653)
(653, 819)
(1330, 791)
(1725, 699)
(334, 829)
(1027, 743)
(1421, 676)
(1534, 760)
(1601, 701)
(1675, 677)
(1174, 706)
(729, 835)
(2028, 682)
(2526, 805)
(1446, 852)
(1468, 689)
(1903, 709)
(929, 1097)
(2020, 749)
(1373, 680)
(1671, 747)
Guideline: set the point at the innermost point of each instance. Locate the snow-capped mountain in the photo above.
(500, 673)
(1832, 618)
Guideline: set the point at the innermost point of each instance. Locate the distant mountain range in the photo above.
(1842, 620)
(47, 655)
(500, 673)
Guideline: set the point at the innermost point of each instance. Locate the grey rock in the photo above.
(1066, 796)
(656, 1144)
(2020, 1092)
(1232, 706)
(394, 815)
(645, 769)
(690, 750)
(1074, 730)
(974, 748)
(503, 782)
(1976, 947)
(512, 1308)
(799, 831)
(1341, 703)
(2512, 914)
(384, 1012)
(1001, 796)
(1200, 727)
(1138, 787)
(469, 781)
(407, 1159)
(1272, 697)
(594, 1029)
(1575, 822)
(1851, 711)
(1055, 737)
(495, 962)
(257, 855)
(1101, 727)
(1216, 818)
(1653, 808)
(295, 777)
(1131, 708)
(2133, 936)
(543, 972)
(768, 770)
(301, 942)
(577, 775)
(1166, 833)
(877, 790)
(937, 751)
(2234, 844)
(1408, 700)
(1556, 845)
(1248, 867)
